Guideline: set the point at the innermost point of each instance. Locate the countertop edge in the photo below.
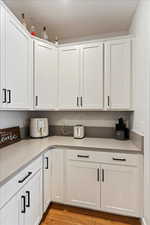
(98, 149)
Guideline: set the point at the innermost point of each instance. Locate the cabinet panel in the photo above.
(45, 76)
(69, 77)
(119, 189)
(33, 194)
(18, 65)
(118, 74)
(92, 76)
(2, 57)
(47, 179)
(13, 212)
(58, 175)
(83, 184)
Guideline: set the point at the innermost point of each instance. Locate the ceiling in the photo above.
(76, 19)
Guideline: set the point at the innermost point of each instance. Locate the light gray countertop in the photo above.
(16, 156)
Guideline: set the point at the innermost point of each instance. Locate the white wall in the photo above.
(13, 118)
(141, 120)
(93, 119)
(138, 28)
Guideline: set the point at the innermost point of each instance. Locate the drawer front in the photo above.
(104, 157)
(18, 181)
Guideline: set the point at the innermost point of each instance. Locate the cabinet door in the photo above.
(57, 175)
(14, 211)
(47, 178)
(33, 194)
(119, 189)
(45, 76)
(118, 74)
(69, 77)
(18, 65)
(82, 184)
(2, 59)
(92, 76)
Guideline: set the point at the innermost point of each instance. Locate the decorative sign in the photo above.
(9, 136)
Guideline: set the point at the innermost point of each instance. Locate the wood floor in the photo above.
(66, 215)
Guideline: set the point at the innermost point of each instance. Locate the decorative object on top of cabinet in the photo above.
(23, 20)
(118, 77)
(44, 34)
(33, 30)
(46, 77)
(56, 40)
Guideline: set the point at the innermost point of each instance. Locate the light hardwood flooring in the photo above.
(67, 215)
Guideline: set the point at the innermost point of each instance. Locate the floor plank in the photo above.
(58, 214)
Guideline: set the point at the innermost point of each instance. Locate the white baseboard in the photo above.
(143, 222)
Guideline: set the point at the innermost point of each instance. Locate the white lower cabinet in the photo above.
(105, 181)
(82, 184)
(58, 175)
(11, 213)
(47, 168)
(119, 189)
(24, 207)
(33, 200)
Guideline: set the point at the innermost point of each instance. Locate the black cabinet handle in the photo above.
(98, 174)
(103, 175)
(108, 100)
(119, 159)
(77, 101)
(36, 100)
(4, 95)
(23, 201)
(47, 163)
(9, 96)
(28, 198)
(21, 181)
(81, 101)
(83, 156)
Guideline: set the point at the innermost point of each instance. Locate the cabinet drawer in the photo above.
(18, 181)
(104, 157)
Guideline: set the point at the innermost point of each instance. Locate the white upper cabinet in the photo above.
(92, 76)
(45, 68)
(2, 57)
(118, 75)
(69, 77)
(17, 92)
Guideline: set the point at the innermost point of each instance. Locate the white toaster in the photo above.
(39, 127)
(78, 132)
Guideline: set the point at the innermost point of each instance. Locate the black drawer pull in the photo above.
(103, 175)
(4, 95)
(21, 181)
(119, 159)
(47, 163)
(98, 175)
(28, 197)
(9, 96)
(83, 156)
(23, 199)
